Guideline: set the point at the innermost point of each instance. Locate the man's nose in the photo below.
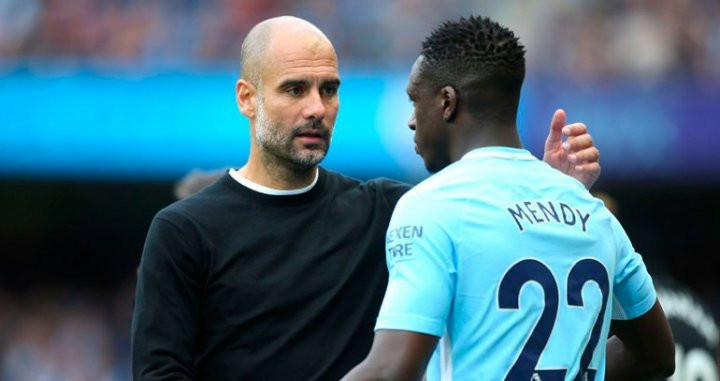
(314, 108)
(412, 123)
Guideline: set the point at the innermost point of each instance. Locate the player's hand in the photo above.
(575, 156)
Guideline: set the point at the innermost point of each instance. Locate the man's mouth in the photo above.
(312, 137)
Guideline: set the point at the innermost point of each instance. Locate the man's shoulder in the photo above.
(427, 198)
(460, 181)
(349, 181)
(389, 188)
(439, 185)
(197, 205)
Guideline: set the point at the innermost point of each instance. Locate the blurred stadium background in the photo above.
(104, 104)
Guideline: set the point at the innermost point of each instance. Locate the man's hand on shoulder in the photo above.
(576, 156)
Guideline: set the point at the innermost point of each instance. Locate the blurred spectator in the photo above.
(17, 20)
(581, 39)
(64, 335)
(195, 181)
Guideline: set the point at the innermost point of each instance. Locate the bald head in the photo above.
(270, 33)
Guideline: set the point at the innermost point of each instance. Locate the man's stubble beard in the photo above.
(278, 149)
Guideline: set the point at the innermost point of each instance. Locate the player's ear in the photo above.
(246, 98)
(448, 97)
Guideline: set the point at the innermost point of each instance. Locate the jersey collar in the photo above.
(499, 153)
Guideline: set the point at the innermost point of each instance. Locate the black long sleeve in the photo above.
(167, 304)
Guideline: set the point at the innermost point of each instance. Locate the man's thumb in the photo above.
(558, 121)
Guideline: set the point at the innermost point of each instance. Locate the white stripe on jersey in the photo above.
(446, 366)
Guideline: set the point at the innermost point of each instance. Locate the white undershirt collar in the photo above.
(235, 173)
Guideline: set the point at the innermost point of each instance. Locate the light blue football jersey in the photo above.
(515, 266)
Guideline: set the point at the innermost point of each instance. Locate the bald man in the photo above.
(277, 270)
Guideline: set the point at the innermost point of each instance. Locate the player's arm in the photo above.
(164, 321)
(395, 355)
(576, 156)
(641, 348)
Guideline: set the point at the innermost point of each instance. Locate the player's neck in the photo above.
(487, 136)
(271, 174)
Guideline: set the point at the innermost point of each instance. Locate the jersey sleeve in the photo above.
(634, 293)
(419, 254)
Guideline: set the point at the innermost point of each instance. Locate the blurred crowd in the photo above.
(65, 335)
(586, 39)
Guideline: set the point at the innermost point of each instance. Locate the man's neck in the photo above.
(505, 136)
(276, 176)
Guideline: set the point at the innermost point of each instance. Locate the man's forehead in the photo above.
(291, 61)
(414, 77)
(304, 70)
(311, 46)
(312, 57)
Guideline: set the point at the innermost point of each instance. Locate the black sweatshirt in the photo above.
(238, 285)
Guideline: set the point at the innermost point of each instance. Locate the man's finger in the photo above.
(578, 143)
(575, 129)
(593, 168)
(556, 125)
(588, 155)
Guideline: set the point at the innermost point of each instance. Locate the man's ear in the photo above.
(246, 98)
(449, 99)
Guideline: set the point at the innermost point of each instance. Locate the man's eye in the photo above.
(295, 91)
(331, 90)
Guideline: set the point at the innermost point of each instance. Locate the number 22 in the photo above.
(529, 270)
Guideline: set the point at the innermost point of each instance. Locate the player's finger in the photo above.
(556, 125)
(575, 129)
(578, 143)
(588, 155)
(593, 168)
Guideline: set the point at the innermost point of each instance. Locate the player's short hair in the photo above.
(481, 59)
